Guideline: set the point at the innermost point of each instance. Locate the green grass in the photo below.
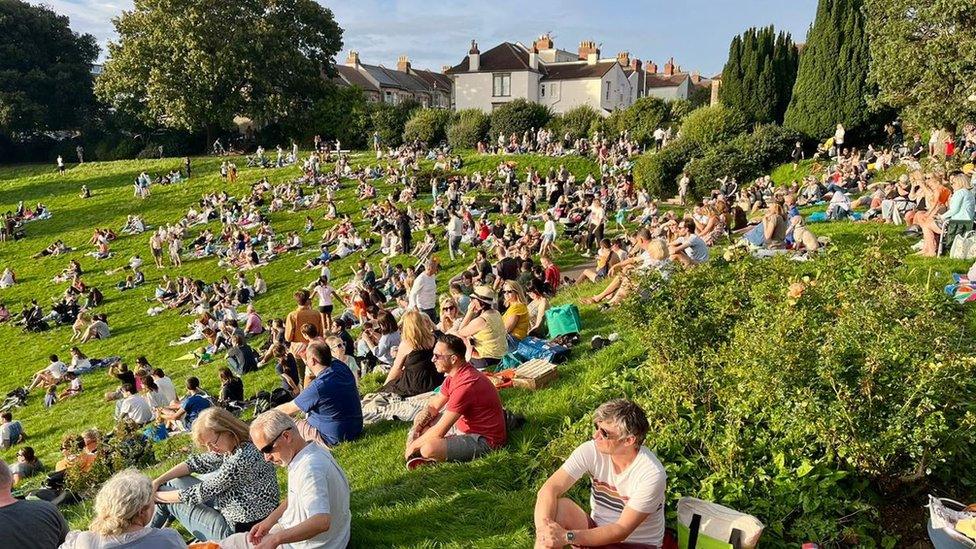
(487, 503)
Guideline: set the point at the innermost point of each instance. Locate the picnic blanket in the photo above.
(391, 407)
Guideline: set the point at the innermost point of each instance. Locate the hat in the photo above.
(484, 294)
(968, 169)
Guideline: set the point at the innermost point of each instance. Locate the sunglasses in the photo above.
(603, 432)
(269, 447)
(443, 357)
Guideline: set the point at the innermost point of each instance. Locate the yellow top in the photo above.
(521, 312)
(490, 341)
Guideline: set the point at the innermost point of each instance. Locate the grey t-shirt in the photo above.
(697, 249)
(32, 525)
(147, 538)
(10, 434)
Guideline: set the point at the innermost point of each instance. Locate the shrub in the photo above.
(578, 121)
(427, 125)
(642, 118)
(707, 126)
(389, 120)
(518, 117)
(744, 157)
(658, 172)
(467, 127)
(800, 393)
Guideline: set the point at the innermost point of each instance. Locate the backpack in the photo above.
(706, 525)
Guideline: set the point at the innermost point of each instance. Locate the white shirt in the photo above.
(325, 295)
(136, 408)
(423, 294)
(455, 226)
(57, 369)
(317, 485)
(166, 388)
(640, 486)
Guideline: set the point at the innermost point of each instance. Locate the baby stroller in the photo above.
(944, 514)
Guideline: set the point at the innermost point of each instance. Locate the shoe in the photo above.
(419, 461)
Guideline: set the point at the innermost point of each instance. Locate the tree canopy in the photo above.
(923, 57)
(759, 75)
(831, 82)
(192, 64)
(45, 69)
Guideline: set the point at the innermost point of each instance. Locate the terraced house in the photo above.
(430, 89)
(562, 79)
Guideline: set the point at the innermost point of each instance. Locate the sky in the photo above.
(437, 33)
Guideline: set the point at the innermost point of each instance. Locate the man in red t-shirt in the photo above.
(465, 420)
(551, 273)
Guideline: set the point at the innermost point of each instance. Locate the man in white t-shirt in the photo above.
(423, 293)
(51, 375)
(133, 406)
(315, 514)
(165, 384)
(627, 484)
(688, 249)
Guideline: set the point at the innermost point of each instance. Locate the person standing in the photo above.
(301, 316)
(80, 151)
(455, 228)
(60, 165)
(423, 293)
(186, 166)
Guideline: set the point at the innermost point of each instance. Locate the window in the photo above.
(608, 91)
(388, 97)
(501, 85)
(542, 90)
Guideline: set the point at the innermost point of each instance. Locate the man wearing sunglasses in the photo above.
(465, 420)
(626, 488)
(315, 514)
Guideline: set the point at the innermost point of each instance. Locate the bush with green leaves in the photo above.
(578, 121)
(517, 117)
(708, 126)
(642, 118)
(745, 157)
(658, 172)
(427, 126)
(467, 127)
(389, 121)
(803, 393)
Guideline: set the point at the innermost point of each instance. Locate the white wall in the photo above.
(682, 91)
(473, 90)
(620, 91)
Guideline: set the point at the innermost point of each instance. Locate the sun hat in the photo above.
(484, 294)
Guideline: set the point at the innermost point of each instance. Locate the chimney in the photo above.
(695, 77)
(534, 59)
(669, 67)
(592, 58)
(587, 47)
(652, 67)
(403, 64)
(445, 68)
(623, 58)
(635, 64)
(353, 59)
(543, 43)
(474, 57)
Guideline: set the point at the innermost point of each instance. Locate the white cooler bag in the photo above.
(704, 524)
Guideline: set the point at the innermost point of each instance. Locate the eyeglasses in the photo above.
(213, 443)
(443, 357)
(269, 447)
(603, 433)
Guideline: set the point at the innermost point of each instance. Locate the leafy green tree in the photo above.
(708, 126)
(195, 65)
(923, 58)
(832, 82)
(643, 117)
(427, 125)
(578, 121)
(759, 75)
(468, 126)
(517, 117)
(390, 120)
(45, 70)
(342, 114)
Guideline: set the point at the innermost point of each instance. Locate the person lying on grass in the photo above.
(626, 489)
(465, 420)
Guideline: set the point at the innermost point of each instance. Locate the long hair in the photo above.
(417, 329)
(119, 501)
(218, 420)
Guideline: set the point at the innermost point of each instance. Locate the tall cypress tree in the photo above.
(832, 82)
(758, 77)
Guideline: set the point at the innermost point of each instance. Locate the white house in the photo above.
(560, 79)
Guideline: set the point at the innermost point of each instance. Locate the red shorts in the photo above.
(621, 545)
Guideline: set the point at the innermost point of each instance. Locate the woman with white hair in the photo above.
(123, 509)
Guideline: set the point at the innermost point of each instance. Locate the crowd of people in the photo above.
(435, 342)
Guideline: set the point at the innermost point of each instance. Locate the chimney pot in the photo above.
(403, 63)
(586, 48)
(353, 59)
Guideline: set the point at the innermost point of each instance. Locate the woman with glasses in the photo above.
(516, 317)
(27, 465)
(449, 314)
(413, 371)
(236, 490)
(483, 329)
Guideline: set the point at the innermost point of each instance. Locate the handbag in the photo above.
(706, 525)
(534, 348)
(562, 320)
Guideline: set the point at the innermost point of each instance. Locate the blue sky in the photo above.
(435, 33)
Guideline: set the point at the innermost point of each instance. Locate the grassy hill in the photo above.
(487, 503)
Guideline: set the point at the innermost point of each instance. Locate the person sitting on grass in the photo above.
(74, 386)
(123, 508)
(237, 487)
(516, 317)
(181, 417)
(133, 407)
(465, 420)
(34, 524)
(688, 249)
(50, 375)
(330, 400)
(27, 465)
(316, 513)
(484, 329)
(626, 489)
(605, 260)
(11, 432)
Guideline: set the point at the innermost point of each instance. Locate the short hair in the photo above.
(657, 248)
(310, 331)
(218, 420)
(625, 415)
(158, 372)
(6, 416)
(53, 358)
(272, 423)
(119, 501)
(129, 388)
(320, 351)
(454, 344)
(301, 296)
(91, 434)
(193, 383)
